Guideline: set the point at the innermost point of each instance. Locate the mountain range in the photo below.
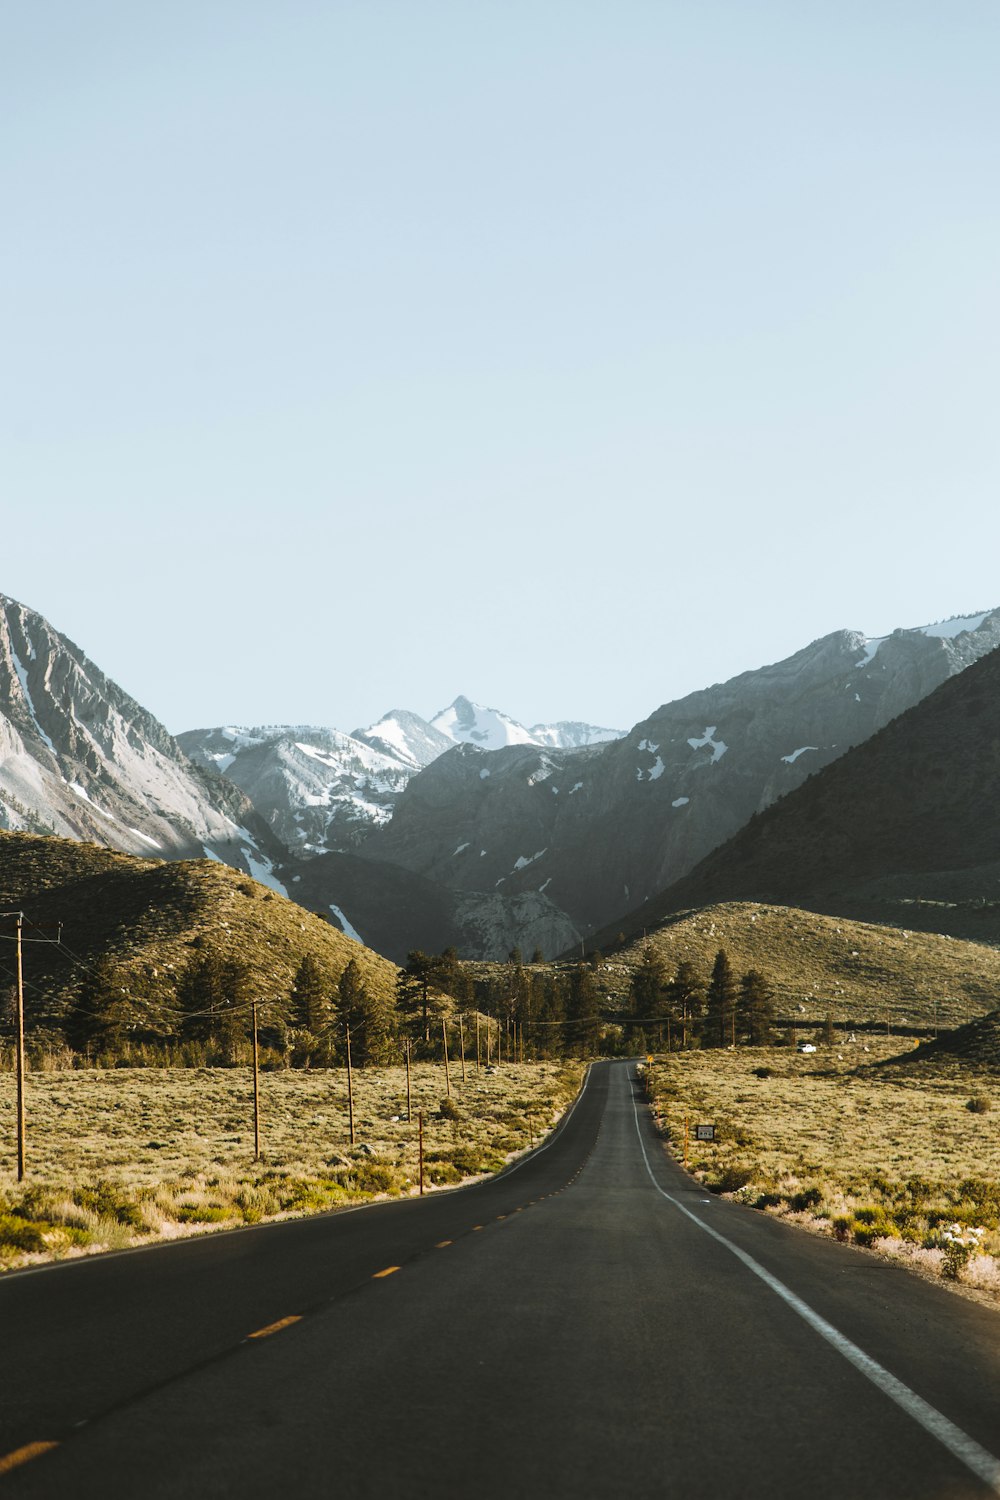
(602, 829)
(471, 830)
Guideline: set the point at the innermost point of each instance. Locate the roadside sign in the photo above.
(649, 1058)
(704, 1132)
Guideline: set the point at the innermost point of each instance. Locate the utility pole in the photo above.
(409, 1110)
(256, 1089)
(20, 1053)
(350, 1085)
(478, 1047)
(461, 1041)
(420, 1150)
(444, 1042)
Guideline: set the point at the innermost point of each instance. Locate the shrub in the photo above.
(448, 1110)
(808, 1198)
(871, 1224)
(979, 1105)
(20, 1234)
(729, 1179)
(108, 1201)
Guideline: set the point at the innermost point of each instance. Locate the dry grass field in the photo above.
(117, 1157)
(902, 1159)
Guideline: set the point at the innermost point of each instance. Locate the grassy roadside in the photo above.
(902, 1161)
(126, 1156)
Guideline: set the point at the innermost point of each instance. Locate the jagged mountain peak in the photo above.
(82, 759)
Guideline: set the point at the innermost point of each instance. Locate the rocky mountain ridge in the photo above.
(601, 829)
(80, 758)
(321, 790)
(903, 829)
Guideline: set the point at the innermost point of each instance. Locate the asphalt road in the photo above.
(589, 1324)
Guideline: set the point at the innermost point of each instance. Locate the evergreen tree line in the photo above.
(210, 1014)
(685, 1010)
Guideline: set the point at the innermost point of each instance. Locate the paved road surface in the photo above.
(589, 1324)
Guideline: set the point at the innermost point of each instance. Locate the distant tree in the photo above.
(648, 992)
(686, 998)
(213, 994)
(756, 1009)
(413, 991)
(549, 999)
(514, 956)
(720, 1004)
(582, 1012)
(829, 1032)
(105, 1015)
(369, 1016)
(310, 1003)
(538, 957)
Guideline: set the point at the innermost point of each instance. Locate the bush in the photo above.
(20, 1234)
(979, 1105)
(871, 1224)
(730, 1179)
(808, 1198)
(448, 1110)
(109, 1201)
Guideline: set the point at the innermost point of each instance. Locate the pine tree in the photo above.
(756, 1009)
(310, 1007)
(582, 1012)
(413, 987)
(213, 994)
(648, 995)
(686, 997)
(371, 1018)
(720, 1004)
(105, 1015)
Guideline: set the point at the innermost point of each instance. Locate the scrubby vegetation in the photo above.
(120, 1156)
(883, 1156)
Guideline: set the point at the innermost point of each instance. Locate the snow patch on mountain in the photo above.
(719, 747)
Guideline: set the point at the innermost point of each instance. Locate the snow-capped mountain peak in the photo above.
(465, 722)
(407, 737)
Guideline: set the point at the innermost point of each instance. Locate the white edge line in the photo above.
(958, 1443)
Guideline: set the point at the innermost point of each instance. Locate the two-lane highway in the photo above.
(589, 1324)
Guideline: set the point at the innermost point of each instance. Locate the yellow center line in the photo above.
(263, 1333)
(441, 1244)
(24, 1455)
(475, 1227)
(387, 1272)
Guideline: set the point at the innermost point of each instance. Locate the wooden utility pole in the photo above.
(444, 1041)
(409, 1110)
(461, 1041)
(478, 1056)
(350, 1085)
(20, 1053)
(256, 1089)
(420, 1150)
(686, 1132)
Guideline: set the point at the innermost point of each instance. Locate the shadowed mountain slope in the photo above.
(904, 828)
(151, 917)
(600, 829)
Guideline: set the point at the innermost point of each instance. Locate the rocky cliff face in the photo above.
(394, 911)
(80, 758)
(600, 829)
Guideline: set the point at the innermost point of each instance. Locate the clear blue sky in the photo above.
(568, 355)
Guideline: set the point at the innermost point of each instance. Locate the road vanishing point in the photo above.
(588, 1323)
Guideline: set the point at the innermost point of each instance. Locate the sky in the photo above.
(571, 356)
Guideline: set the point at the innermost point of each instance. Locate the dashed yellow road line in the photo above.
(475, 1227)
(263, 1333)
(387, 1272)
(24, 1455)
(441, 1244)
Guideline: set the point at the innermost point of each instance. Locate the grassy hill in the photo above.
(152, 917)
(855, 971)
